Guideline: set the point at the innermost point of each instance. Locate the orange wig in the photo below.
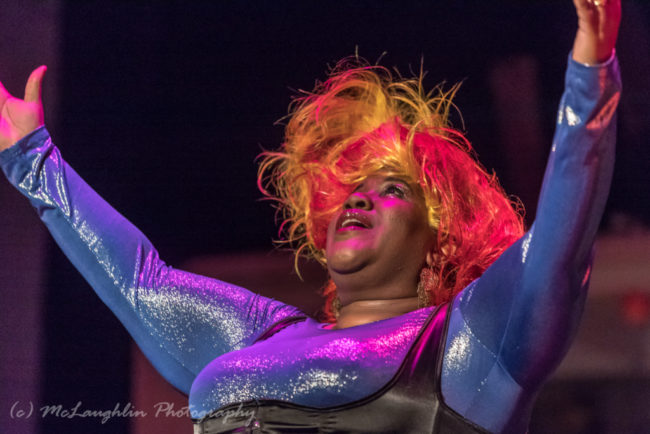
(362, 120)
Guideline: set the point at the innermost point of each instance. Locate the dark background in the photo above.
(164, 106)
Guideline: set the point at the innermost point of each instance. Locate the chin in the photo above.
(345, 269)
(346, 262)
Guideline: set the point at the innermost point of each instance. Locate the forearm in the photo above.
(182, 321)
(579, 171)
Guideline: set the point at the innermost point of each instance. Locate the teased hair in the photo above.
(363, 120)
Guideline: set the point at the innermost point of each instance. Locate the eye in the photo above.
(395, 190)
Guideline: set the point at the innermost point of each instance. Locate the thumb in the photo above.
(4, 95)
(33, 86)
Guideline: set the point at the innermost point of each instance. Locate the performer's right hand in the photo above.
(20, 117)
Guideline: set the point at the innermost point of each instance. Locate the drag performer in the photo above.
(442, 314)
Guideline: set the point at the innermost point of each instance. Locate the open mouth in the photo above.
(353, 219)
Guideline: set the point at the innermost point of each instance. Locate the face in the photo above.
(382, 233)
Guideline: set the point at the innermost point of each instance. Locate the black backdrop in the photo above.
(164, 106)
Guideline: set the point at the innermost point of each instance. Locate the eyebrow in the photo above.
(397, 179)
(387, 179)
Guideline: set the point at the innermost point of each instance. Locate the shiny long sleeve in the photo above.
(181, 321)
(510, 329)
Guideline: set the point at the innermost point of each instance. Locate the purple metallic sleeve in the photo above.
(180, 320)
(512, 327)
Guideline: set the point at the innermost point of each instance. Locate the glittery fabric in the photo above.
(180, 320)
(410, 402)
(511, 328)
(309, 365)
(508, 330)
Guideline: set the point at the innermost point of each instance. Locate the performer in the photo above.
(443, 315)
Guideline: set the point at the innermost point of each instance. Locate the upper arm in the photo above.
(193, 319)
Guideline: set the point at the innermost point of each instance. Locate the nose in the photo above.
(358, 200)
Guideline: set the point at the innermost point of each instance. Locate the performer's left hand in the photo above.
(598, 23)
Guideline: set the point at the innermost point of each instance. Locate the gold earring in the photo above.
(426, 285)
(336, 307)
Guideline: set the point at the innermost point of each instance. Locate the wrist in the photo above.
(30, 140)
(589, 49)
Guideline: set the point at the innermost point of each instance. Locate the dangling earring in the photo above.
(336, 307)
(426, 286)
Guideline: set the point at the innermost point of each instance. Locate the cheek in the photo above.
(415, 230)
(408, 218)
(330, 231)
(331, 228)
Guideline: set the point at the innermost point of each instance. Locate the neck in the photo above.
(366, 311)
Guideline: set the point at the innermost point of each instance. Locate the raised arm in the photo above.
(180, 320)
(510, 329)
